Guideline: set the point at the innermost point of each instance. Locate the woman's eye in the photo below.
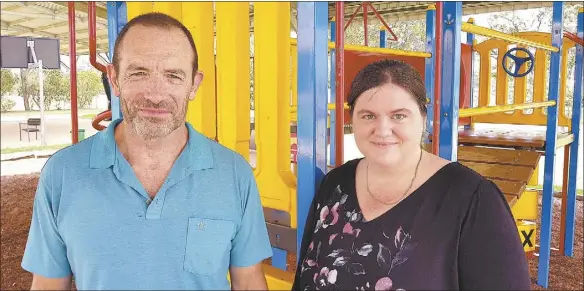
(399, 116)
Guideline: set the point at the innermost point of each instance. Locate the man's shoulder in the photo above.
(225, 158)
(72, 156)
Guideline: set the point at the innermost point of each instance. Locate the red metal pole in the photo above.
(340, 84)
(365, 12)
(92, 37)
(438, 80)
(352, 16)
(73, 72)
(383, 21)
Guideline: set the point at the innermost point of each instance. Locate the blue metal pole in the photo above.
(452, 21)
(312, 104)
(116, 19)
(470, 37)
(333, 93)
(382, 37)
(576, 122)
(550, 147)
(429, 70)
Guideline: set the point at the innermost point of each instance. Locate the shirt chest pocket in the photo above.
(208, 245)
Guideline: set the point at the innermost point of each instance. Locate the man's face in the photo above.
(154, 80)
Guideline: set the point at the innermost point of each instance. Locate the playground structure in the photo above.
(507, 157)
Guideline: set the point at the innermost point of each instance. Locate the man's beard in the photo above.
(153, 127)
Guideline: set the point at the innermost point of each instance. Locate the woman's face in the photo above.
(387, 125)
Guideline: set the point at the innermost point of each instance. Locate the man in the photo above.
(149, 203)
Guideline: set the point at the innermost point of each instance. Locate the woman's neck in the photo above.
(404, 168)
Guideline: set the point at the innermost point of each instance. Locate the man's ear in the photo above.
(112, 77)
(197, 80)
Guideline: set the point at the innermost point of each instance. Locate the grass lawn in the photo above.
(36, 113)
(33, 148)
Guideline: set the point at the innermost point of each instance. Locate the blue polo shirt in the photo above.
(92, 218)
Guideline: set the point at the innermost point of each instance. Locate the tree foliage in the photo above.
(7, 83)
(88, 86)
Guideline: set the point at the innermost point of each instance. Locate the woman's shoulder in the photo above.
(464, 183)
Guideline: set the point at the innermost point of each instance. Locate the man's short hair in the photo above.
(155, 19)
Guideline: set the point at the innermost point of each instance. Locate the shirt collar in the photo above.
(197, 152)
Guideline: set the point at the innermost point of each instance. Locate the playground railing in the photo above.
(467, 112)
(471, 28)
(366, 49)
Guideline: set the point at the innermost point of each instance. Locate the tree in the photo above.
(89, 85)
(8, 82)
(56, 88)
(28, 86)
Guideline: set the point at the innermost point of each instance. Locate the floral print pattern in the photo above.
(341, 251)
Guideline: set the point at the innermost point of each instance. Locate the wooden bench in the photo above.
(31, 125)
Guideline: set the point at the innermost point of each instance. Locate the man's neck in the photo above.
(138, 150)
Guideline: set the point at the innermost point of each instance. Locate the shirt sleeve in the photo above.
(491, 256)
(45, 252)
(251, 244)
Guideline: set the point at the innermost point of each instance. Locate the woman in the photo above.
(401, 218)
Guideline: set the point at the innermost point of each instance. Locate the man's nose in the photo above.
(155, 87)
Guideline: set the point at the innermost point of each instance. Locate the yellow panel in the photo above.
(519, 88)
(534, 181)
(485, 76)
(540, 77)
(134, 9)
(201, 111)
(527, 232)
(540, 83)
(526, 206)
(276, 182)
(502, 81)
(294, 76)
(278, 279)
(233, 90)
(173, 9)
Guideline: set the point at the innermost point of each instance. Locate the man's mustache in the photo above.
(151, 105)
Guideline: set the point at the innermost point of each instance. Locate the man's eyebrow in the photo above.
(134, 67)
(176, 71)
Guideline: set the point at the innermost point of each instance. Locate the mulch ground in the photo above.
(16, 206)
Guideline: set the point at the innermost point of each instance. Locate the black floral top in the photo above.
(455, 231)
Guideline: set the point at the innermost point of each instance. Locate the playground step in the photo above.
(513, 138)
(509, 169)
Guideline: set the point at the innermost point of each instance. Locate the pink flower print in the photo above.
(384, 283)
(325, 277)
(329, 217)
(348, 229)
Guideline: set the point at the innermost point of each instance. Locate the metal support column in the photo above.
(550, 148)
(452, 21)
(429, 71)
(576, 124)
(312, 104)
(116, 19)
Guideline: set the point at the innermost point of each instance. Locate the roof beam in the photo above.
(100, 12)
